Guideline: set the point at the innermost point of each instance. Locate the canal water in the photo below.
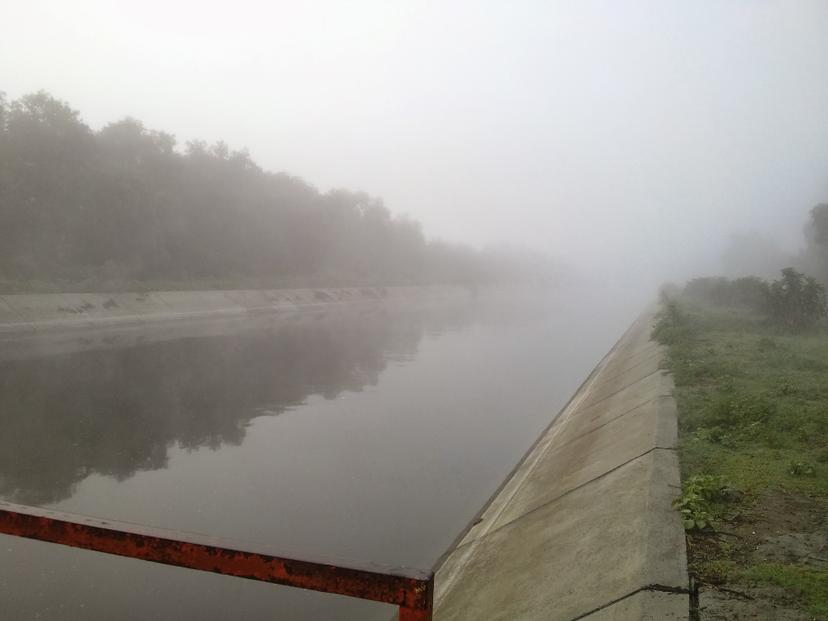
(373, 432)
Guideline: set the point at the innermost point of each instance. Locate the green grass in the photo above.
(753, 412)
(752, 400)
(810, 585)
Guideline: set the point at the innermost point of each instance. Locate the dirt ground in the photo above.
(778, 528)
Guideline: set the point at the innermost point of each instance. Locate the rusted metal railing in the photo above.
(411, 590)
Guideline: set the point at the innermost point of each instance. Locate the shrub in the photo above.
(749, 292)
(796, 300)
(672, 325)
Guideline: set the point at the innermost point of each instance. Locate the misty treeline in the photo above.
(123, 206)
(751, 254)
(794, 300)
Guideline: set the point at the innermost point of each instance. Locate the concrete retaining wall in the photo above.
(584, 528)
(49, 311)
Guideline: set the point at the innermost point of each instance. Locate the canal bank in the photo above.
(38, 312)
(371, 431)
(584, 527)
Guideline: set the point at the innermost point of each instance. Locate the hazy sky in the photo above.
(620, 134)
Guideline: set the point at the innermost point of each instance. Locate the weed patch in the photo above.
(753, 426)
(809, 585)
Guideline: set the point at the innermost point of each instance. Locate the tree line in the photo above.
(755, 254)
(125, 206)
(794, 300)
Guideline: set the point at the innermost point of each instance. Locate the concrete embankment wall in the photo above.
(49, 311)
(584, 528)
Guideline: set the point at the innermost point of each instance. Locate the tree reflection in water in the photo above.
(117, 411)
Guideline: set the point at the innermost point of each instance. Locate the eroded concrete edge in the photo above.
(482, 571)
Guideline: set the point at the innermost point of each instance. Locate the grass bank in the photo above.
(753, 430)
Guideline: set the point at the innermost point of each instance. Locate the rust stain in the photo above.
(412, 593)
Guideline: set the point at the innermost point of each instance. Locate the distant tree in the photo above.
(48, 155)
(815, 256)
(796, 300)
(817, 227)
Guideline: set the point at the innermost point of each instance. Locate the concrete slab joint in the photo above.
(584, 528)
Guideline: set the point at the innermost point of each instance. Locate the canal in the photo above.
(373, 432)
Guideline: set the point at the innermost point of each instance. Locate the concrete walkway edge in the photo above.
(584, 527)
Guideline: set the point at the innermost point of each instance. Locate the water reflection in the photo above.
(120, 404)
(374, 434)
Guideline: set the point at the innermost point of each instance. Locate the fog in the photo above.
(278, 243)
(629, 139)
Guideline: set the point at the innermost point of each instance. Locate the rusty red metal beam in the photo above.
(411, 590)
(413, 614)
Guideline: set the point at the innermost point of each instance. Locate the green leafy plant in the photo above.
(802, 469)
(699, 503)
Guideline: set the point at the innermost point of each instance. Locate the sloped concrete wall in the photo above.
(584, 528)
(49, 311)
